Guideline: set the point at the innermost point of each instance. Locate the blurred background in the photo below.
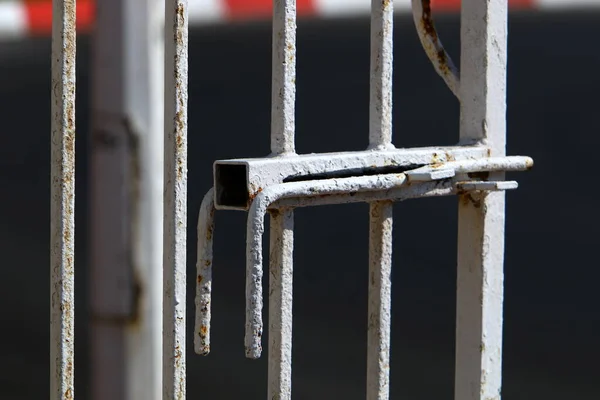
(552, 323)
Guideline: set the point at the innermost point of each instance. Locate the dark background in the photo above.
(552, 324)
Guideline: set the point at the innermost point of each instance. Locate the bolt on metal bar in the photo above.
(175, 199)
(481, 217)
(380, 213)
(62, 208)
(443, 64)
(206, 226)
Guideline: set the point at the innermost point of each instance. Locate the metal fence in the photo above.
(126, 156)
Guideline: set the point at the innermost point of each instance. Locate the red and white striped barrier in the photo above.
(23, 18)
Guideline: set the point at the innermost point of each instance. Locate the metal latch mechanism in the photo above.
(382, 173)
(264, 184)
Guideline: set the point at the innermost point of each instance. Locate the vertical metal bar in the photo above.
(205, 229)
(126, 197)
(382, 41)
(380, 234)
(175, 198)
(283, 88)
(283, 101)
(62, 207)
(282, 222)
(380, 300)
(280, 304)
(481, 217)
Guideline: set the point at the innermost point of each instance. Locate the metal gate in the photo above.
(380, 175)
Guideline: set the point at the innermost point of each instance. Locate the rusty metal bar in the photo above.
(443, 64)
(175, 199)
(380, 213)
(206, 226)
(481, 215)
(126, 184)
(62, 206)
(282, 221)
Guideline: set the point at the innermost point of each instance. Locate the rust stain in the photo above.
(253, 195)
(469, 198)
(203, 331)
(200, 278)
(207, 263)
(209, 232)
(426, 20)
(429, 28)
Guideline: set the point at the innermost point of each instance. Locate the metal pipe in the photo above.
(175, 199)
(206, 226)
(62, 203)
(283, 122)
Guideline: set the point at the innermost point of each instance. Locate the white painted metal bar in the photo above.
(126, 200)
(62, 206)
(443, 64)
(283, 86)
(380, 300)
(380, 213)
(481, 216)
(206, 226)
(382, 48)
(280, 304)
(282, 221)
(175, 199)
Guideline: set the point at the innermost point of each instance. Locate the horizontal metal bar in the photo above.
(439, 188)
(449, 169)
(238, 181)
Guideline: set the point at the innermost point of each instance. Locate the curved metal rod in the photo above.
(204, 270)
(421, 10)
(353, 189)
